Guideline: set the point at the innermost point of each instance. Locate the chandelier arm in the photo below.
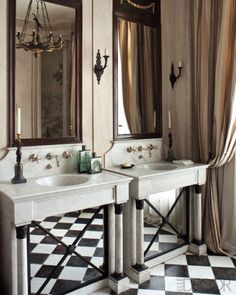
(47, 16)
(26, 21)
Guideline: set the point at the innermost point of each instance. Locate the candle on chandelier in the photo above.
(106, 52)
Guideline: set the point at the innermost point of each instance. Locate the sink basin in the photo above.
(62, 180)
(158, 166)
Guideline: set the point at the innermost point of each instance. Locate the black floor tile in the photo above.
(59, 250)
(37, 258)
(77, 261)
(163, 247)
(204, 286)
(155, 283)
(64, 286)
(82, 220)
(91, 273)
(37, 231)
(72, 233)
(176, 271)
(95, 227)
(99, 252)
(49, 240)
(224, 273)
(46, 270)
(88, 242)
(197, 260)
(63, 225)
(53, 218)
(72, 214)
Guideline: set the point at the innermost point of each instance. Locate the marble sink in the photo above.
(62, 180)
(158, 166)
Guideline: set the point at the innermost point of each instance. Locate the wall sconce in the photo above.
(98, 68)
(174, 78)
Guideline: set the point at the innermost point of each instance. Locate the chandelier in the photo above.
(42, 35)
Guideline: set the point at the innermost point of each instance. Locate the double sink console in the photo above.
(49, 195)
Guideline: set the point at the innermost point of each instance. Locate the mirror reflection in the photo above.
(138, 76)
(45, 79)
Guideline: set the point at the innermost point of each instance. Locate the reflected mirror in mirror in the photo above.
(138, 80)
(45, 83)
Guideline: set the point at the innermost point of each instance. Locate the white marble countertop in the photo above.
(139, 172)
(33, 191)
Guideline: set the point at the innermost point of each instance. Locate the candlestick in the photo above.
(18, 120)
(18, 178)
(169, 120)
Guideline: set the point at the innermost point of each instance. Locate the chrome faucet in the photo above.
(50, 156)
(34, 158)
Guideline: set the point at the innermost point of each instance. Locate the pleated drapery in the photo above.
(214, 113)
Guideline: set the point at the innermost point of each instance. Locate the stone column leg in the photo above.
(22, 260)
(119, 240)
(139, 266)
(111, 239)
(197, 245)
(119, 281)
(197, 214)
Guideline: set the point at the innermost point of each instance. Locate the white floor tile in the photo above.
(68, 219)
(98, 261)
(77, 226)
(158, 270)
(35, 239)
(168, 239)
(200, 272)
(220, 261)
(48, 224)
(179, 260)
(226, 287)
(58, 232)
(150, 292)
(36, 283)
(73, 273)
(93, 234)
(34, 268)
(68, 240)
(150, 230)
(177, 284)
(85, 251)
(44, 248)
(53, 259)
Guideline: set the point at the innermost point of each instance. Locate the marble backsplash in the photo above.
(34, 169)
(118, 153)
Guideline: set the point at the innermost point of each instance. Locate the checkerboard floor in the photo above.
(185, 274)
(45, 252)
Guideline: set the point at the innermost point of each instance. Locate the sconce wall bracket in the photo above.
(98, 68)
(173, 77)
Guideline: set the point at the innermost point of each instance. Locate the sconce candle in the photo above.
(19, 120)
(106, 52)
(169, 120)
(180, 64)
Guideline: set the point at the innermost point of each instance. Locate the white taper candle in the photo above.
(18, 120)
(169, 120)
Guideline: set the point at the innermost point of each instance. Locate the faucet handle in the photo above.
(66, 155)
(34, 158)
(130, 149)
(49, 156)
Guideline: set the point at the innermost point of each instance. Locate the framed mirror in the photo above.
(137, 69)
(45, 71)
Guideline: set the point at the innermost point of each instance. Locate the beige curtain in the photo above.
(138, 52)
(129, 57)
(214, 103)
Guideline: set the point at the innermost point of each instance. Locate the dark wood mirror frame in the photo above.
(132, 14)
(77, 4)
